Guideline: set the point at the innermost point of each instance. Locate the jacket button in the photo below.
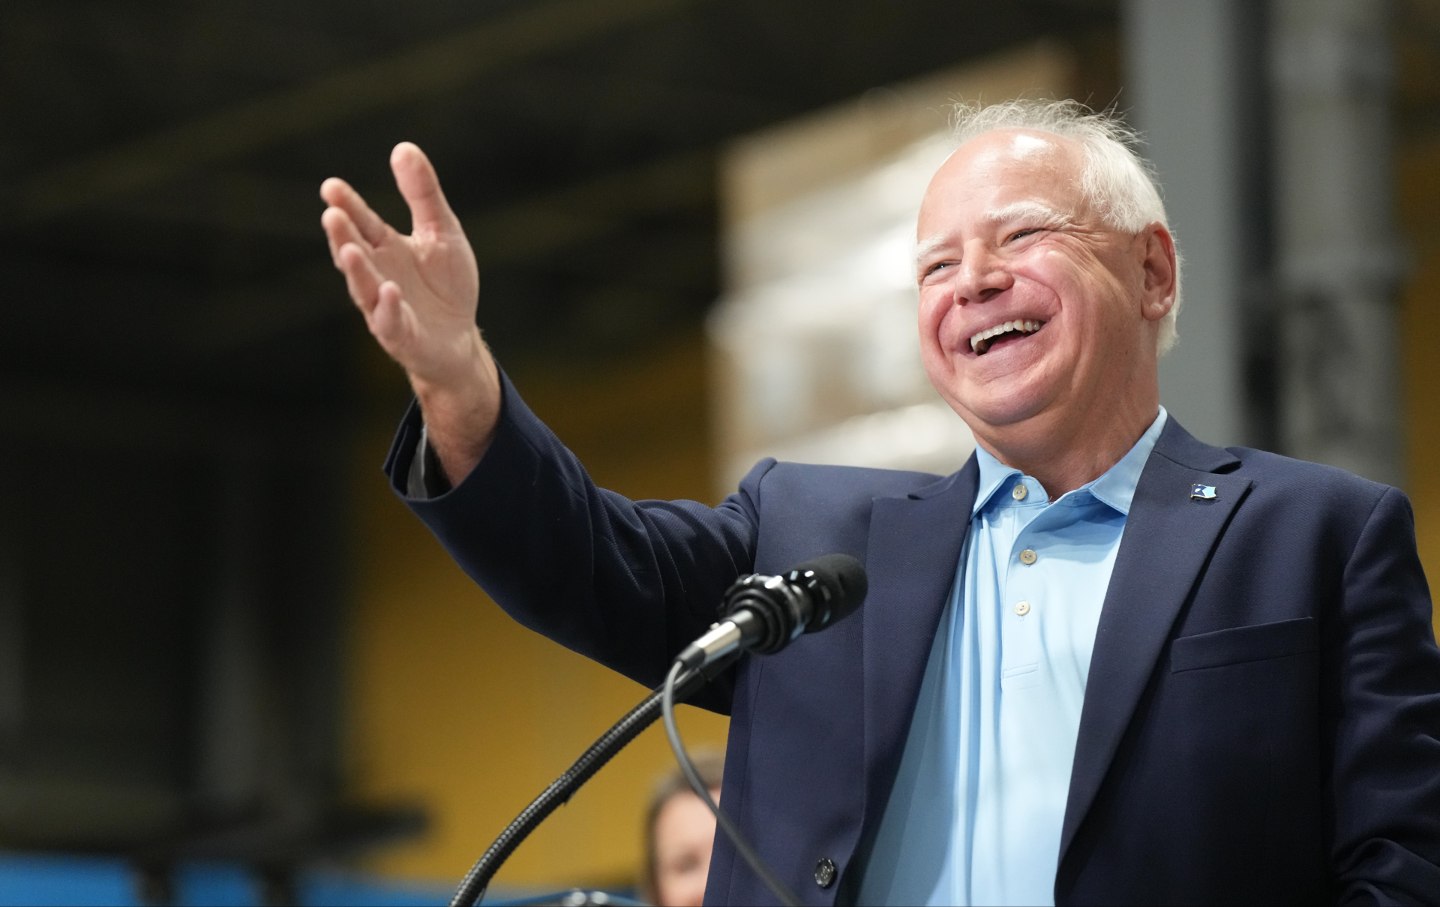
(825, 873)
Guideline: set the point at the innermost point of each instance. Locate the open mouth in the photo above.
(1000, 333)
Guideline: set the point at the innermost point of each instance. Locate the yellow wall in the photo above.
(457, 708)
(1418, 182)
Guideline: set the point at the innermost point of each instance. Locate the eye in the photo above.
(1022, 233)
(934, 268)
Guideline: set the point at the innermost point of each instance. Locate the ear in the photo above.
(1160, 271)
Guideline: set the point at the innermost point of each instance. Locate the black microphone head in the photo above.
(772, 611)
(836, 585)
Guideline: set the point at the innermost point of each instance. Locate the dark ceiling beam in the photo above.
(437, 66)
(237, 201)
(525, 231)
(551, 221)
(247, 201)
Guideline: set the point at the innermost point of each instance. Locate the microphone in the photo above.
(766, 613)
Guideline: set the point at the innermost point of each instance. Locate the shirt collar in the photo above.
(1116, 487)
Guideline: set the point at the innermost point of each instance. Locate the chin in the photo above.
(996, 411)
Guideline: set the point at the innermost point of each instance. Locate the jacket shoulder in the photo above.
(858, 481)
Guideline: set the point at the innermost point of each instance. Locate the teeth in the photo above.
(981, 341)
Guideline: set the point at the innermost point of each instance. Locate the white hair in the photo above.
(1115, 180)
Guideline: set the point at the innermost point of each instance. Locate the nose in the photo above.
(982, 275)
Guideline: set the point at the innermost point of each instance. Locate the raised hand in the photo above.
(419, 294)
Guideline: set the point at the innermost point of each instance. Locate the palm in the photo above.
(439, 286)
(419, 291)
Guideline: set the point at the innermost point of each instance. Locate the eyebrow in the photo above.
(927, 247)
(1024, 210)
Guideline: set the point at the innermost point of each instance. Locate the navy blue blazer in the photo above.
(1261, 720)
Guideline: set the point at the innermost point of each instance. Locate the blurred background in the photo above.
(233, 669)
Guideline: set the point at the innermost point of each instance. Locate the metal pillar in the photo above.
(1190, 85)
(1339, 264)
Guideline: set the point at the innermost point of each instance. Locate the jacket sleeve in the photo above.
(1384, 688)
(626, 583)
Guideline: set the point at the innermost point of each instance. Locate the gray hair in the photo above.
(1119, 183)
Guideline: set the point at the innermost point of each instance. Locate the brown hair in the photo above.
(710, 766)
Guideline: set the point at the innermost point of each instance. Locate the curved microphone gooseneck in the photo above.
(763, 614)
(472, 887)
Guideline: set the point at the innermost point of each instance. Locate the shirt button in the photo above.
(1022, 608)
(825, 872)
(1028, 556)
(1019, 492)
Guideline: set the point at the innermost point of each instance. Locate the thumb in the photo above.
(420, 186)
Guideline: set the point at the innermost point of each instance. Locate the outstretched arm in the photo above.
(419, 294)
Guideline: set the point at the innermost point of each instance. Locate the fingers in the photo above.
(340, 230)
(390, 320)
(350, 249)
(419, 184)
(362, 278)
(370, 226)
(386, 313)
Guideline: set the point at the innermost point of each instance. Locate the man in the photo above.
(1102, 663)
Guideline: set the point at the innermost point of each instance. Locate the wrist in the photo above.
(461, 414)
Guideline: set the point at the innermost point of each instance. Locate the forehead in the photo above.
(1005, 172)
(685, 810)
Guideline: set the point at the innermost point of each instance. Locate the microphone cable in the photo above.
(687, 767)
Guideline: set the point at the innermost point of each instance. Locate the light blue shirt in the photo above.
(976, 812)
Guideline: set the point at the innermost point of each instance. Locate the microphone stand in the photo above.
(472, 887)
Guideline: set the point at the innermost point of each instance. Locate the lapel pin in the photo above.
(1202, 492)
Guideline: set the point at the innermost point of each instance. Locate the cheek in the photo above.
(934, 312)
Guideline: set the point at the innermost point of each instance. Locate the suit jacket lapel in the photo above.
(914, 547)
(1168, 536)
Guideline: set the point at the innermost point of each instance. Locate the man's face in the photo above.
(1031, 309)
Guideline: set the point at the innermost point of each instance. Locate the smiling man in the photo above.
(1102, 662)
(1034, 304)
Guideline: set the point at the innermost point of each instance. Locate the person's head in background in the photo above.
(679, 831)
